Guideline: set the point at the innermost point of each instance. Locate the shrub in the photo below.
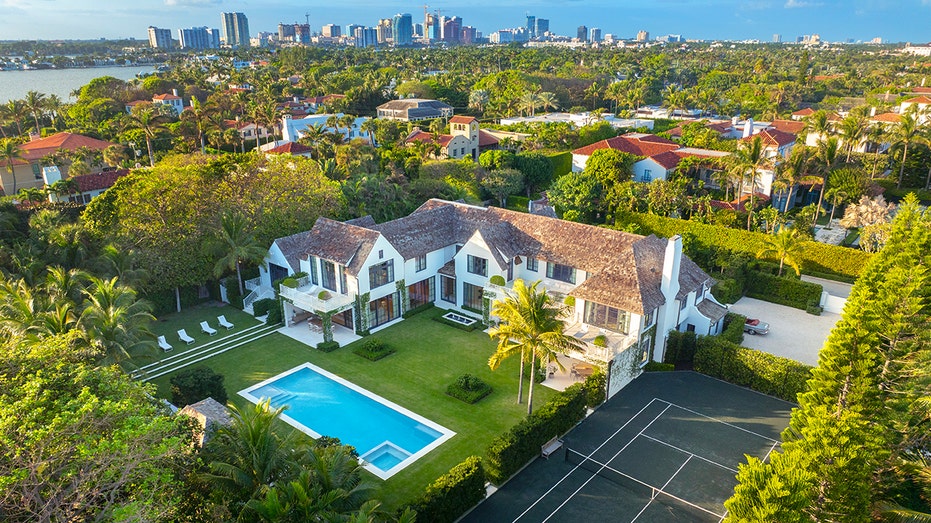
(468, 388)
(453, 493)
(562, 163)
(596, 388)
(727, 290)
(194, 384)
(814, 308)
(374, 349)
(734, 328)
(760, 371)
(784, 291)
(569, 301)
(816, 257)
(275, 315)
(417, 310)
(655, 366)
(289, 282)
(680, 348)
(328, 346)
(261, 307)
(324, 295)
(513, 449)
(600, 341)
(497, 279)
(232, 292)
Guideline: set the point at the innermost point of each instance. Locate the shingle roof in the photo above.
(711, 310)
(340, 242)
(292, 247)
(633, 143)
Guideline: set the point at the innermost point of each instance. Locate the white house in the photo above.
(171, 100)
(625, 289)
(293, 129)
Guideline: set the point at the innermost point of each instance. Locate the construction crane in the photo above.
(307, 17)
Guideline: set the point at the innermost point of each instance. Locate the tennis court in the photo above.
(666, 448)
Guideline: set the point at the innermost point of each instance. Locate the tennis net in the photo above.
(629, 482)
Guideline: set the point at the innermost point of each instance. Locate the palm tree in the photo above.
(54, 104)
(9, 153)
(528, 103)
(148, 119)
(792, 172)
(548, 100)
(530, 323)
(908, 131)
(115, 320)
(819, 124)
(747, 162)
(199, 115)
(853, 130)
(238, 244)
(35, 104)
(785, 245)
(478, 99)
(827, 157)
(15, 111)
(875, 135)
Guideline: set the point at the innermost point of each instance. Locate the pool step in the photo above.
(282, 397)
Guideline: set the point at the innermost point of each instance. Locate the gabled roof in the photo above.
(808, 111)
(294, 148)
(167, 96)
(921, 90)
(918, 100)
(97, 181)
(485, 139)
(462, 119)
(886, 118)
(638, 144)
(340, 242)
(669, 160)
(40, 148)
(788, 126)
(422, 136)
(772, 137)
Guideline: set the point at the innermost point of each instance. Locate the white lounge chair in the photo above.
(182, 334)
(207, 329)
(163, 343)
(223, 323)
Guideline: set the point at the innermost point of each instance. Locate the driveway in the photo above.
(793, 333)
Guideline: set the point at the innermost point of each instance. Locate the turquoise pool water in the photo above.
(385, 435)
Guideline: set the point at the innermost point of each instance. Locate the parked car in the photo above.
(754, 326)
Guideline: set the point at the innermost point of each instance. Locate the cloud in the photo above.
(792, 4)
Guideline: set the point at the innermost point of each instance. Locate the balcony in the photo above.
(307, 297)
(616, 342)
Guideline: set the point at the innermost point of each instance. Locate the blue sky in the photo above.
(892, 20)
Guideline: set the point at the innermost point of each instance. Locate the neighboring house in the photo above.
(292, 148)
(465, 139)
(248, 130)
(921, 105)
(210, 416)
(414, 109)
(87, 186)
(577, 120)
(28, 170)
(132, 105)
(801, 114)
(777, 145)
(171, 100)
(293, 129)
(630, 289)
(638, 144)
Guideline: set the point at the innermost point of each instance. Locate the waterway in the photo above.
(15, 84)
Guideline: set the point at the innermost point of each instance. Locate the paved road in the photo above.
(793, 333)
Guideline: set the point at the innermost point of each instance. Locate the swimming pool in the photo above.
(387, 437)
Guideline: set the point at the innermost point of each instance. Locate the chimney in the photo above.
(872, 111)
(671, 262)
(174, 92)
(748, 128)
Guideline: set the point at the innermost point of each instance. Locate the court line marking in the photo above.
(768, 454)
(616, 454)
(767, 438)
(663, 489)
(605, 442)
(692, 454)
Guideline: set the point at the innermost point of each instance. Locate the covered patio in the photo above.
(576, 371)
(303, 334)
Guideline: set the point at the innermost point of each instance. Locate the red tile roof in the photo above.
(632, 143)
(40, 148)
(97, 181)
(918, 100)
(788, 126)
(485, 139)
(461, 119)
(886, 117)
(669, 160)
(808, 111)
(772, 137)
(290, 148)
(921, 90)
(167, 96)
(421, 136)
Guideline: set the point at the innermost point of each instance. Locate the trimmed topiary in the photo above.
(374, 349)
(327, 346)
(497, 279)
(468, 388)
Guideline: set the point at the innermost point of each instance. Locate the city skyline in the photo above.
(834, 20)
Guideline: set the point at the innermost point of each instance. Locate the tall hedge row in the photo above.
(784, 291)
(562, 163)
(453, 493)
(816, 257)
(513, 449)
(760, 371)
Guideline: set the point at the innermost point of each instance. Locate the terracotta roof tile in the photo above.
(42, 147)
(294, 148)
(788, 126)
(773, 137)
(886, 118)
(634, 143)
(918, 100)
(462, 119)
(808, 111)
(97, 181)
(167, 96)
(486, 139)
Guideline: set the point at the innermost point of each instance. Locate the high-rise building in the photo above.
(351, 29)
(532, 25)
(594, 35)
(197, 38)
(286, 32)
(432, 27)
(643, 36)
(331, 30)
(777, 38)
(468, 35)
(582, 33)
(159, 38)
(402, 29)
(365, 36)
(452, 29)
(302, 33)
(213, 35)
(541, 27)
(385, 30)
(234, 29)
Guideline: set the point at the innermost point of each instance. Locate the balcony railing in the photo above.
(253, 284)
(308, 298)
(615, 342)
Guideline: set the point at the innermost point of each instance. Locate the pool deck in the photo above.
(303, 334)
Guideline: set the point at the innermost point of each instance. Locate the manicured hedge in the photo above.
(727, 290)
(468, 388)
(417, 310)
(734, 327)
(784, 291)
(655, 366)
(513, 449)
(760, 371)
(596, 388)
(328, 346)
(261, 307)
(453, 493)
(562, 163)
(680, 348)
(467, 328)
(374, 349)
(816, 257)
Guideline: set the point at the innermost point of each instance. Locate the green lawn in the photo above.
(189, 319)
(429, 357)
